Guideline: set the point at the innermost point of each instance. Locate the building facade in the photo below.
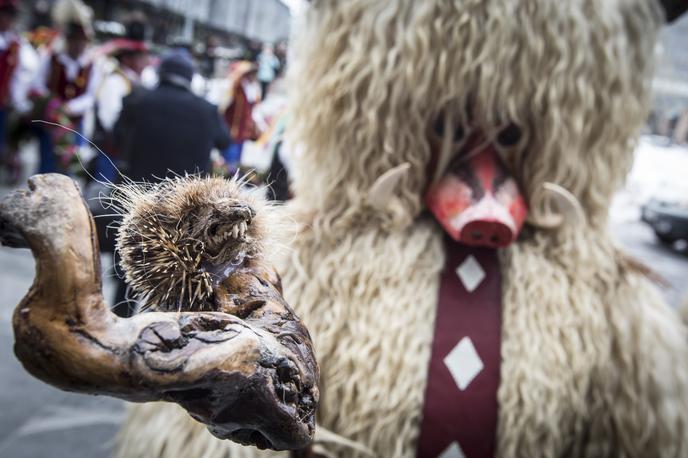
(671, 83)
(261, 20)
(255, 20)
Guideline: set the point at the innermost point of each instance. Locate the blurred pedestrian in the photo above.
(209, 57)
(65, 87)
(17, 62)
(132, 56)
(167, 131)
(199, 84)
(243, 95)
(268, 66)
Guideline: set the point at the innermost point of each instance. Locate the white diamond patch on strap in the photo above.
(453, 451)
(463, 363)
(470, 273)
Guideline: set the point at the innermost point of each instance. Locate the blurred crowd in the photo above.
(104, 109)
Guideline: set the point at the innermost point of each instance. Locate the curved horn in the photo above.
(383, 189)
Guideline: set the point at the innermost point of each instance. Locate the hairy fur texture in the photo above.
(369, 300)
(179, 238)
(370, 77)
(594, 363)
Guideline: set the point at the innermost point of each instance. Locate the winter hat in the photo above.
(177, 67)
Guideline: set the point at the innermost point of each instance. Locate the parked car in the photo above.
(667, 213)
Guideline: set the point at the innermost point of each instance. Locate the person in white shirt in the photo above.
(132, 56)
(18, 62)
(268, 66)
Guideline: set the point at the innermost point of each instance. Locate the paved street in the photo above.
(672, 265)
(40, 421)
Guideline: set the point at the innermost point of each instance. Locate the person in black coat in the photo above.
(169, 130)
(164, 132)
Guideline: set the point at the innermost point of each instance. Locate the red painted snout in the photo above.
(478, 202)
(486, 223)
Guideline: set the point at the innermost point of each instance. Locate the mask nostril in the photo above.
(476, 235)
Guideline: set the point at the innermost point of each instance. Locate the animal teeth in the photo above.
(238, 230)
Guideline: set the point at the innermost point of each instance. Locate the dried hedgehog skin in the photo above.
(247, 371)
(181, 238)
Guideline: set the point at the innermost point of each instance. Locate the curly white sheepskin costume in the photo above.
(593, 362)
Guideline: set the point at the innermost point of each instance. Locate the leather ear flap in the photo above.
(674, 8)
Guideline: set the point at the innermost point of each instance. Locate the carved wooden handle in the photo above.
(250, 375)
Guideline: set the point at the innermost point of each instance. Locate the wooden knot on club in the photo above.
(247, 372)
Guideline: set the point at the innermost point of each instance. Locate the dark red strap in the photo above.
(460, 410)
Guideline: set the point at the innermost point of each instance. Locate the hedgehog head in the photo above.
(180, 238)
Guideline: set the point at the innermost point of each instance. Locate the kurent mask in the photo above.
(476, 200)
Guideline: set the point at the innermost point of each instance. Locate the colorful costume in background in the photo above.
(17, 60)
(9, 60)
(42, 37)
(238, 111)
(69, 92)
(64, 91)
(557, 344)
(116, 85)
